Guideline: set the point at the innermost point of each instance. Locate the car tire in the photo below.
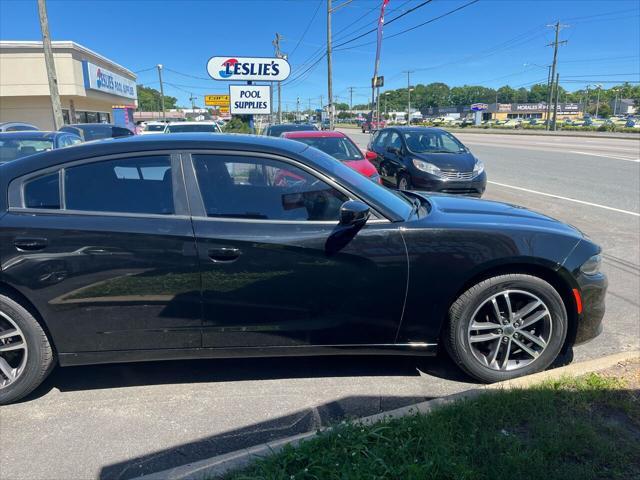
(531, 345)
(404, 182)
(21, 369)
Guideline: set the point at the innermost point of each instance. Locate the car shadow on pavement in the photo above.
(120, 375)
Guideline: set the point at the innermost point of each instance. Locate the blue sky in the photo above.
(491, 42)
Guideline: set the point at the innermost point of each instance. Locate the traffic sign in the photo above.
(248, 69)
(250, 99)
(216, 100)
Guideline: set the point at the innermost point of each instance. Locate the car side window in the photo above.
(394, 140)
(43, 192)
(380, 139)
(264, 189)
(126, 185)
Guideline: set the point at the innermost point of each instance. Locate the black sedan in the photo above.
(277, 130)
(427, 159)
(96, 131)
(185, 246)
(19, 144)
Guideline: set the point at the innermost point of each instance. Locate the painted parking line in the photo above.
(636, 160)
(568, 199)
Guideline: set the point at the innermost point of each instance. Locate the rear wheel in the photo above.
(26, 357)
(505, 327)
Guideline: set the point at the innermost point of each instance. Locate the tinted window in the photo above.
(128, 185)
(43, 192)
(154, 128)
(277, 130)
(205, 127)
(13, 148)
(394, 140)
(121, 132)
(380, 139)
(338, 147)
(256, 188)
(20, 128)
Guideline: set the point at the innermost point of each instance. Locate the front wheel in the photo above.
(506, 327)
(26, 357)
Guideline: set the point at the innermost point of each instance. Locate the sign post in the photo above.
(479, 108)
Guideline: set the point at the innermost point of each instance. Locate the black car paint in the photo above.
(287, 293)
(393, 164)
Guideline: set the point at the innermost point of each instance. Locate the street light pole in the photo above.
(329, 66)
(164, 114)
(598, 87)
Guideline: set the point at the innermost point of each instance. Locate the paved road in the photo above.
(118, 421)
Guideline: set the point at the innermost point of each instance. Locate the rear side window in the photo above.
(126, 185)
(43, 192)
(264, 189)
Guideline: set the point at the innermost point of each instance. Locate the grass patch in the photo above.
(575, 428)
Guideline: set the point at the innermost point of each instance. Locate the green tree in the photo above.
(237, 124)
(342, 106)
(149, 100)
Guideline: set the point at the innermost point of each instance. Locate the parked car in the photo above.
(277, 130)
(632, 123)
(205, 256)
(513, 122)
(16, 127)
(18, 144)
(192, 127)
(96, 131)
(372, 124)
(150, 128)
(426, 158)
(325, 125)
(340, 147)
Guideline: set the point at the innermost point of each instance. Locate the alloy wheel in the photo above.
(510, 330)
(13, 351)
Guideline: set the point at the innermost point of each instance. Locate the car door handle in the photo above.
(224, 254)
(30, 244)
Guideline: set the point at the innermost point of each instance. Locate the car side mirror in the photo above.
(354, 213)
(369, 155)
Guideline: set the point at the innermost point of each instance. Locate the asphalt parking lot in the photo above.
(120, 421)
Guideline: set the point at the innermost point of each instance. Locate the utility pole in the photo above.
(408, 72)
(164, 114)
(350, 98)
(276, 45)
(298, 108)
(329, 66)
(555, 105)
(329, 70)
(555, 45)
(615, 101)
(598, 87)
(58, 119)
(193, 106)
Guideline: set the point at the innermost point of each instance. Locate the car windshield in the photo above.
(277, 130)
(338, 147)
(17, 148)
(154, 128)
(191, 128)
(432, 141)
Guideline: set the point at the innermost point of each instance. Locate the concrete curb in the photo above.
(222, 464)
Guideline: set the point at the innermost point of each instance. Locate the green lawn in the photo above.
(584, 428)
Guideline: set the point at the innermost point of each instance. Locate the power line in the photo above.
(307, 29)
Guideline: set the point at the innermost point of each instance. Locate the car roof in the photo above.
(313, 133)
(205, 122)
(142, 143)
(31, 134)
(413, 129)
(292, 125)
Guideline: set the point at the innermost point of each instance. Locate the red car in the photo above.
(341, 147)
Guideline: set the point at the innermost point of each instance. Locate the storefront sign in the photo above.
(248, 69)
(98, 78)
(250, 99)
(216, 100)
(223, 109)
(479, 107)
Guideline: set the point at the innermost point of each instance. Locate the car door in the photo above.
(377, 146)
(106, 250)
(274, 271)
(391, 164)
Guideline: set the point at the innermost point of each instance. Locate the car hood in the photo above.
(465, 210)
(462, 162)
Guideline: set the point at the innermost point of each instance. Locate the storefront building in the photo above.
(89, 84)
(504, 111)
